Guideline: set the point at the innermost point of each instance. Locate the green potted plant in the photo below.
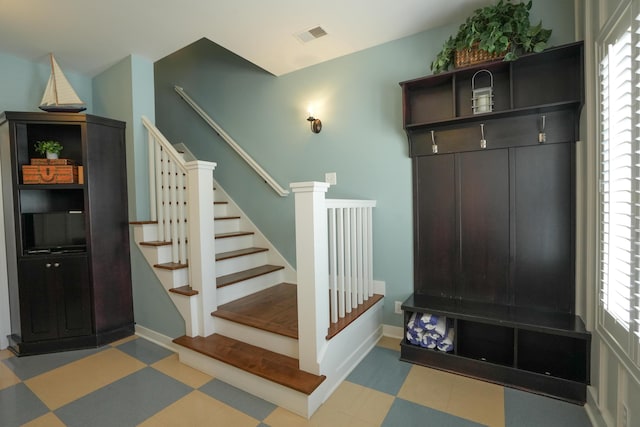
(49, 148)
(494, 31)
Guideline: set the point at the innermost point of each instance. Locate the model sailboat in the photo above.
(59, 95)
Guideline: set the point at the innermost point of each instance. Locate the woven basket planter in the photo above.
(467, 57)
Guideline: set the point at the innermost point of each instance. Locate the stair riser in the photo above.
(145, 232)
(220, 209)
(156, 254)
(233, 243)
(227, 225)
(241, 289)
(234, 265)
(294, 401)
(172, 278)
(270, 341)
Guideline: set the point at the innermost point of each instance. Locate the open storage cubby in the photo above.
(67, 244)
(494, 221)
(485, 342)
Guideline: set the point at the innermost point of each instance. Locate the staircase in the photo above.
(243, 328)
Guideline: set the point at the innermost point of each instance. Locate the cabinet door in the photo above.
(435, 225)
(54, 297)
(38, 295)
(74, 300)
(544, 231)
(484, 226)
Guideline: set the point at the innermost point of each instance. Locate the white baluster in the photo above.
(159, 191)
(340, 272)
(347, 259)
(182, 214)
(333, 288)
(151, 146)
(354, 259)
(370, 249)
(173, 203)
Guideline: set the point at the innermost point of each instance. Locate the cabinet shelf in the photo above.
(53, 187)
(495, 115)
(529, 318)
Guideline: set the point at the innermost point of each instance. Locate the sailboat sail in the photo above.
(59, 95)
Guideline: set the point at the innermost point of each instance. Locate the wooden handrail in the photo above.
(232, 143)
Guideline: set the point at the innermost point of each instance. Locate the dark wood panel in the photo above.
(105, 169)
(74, 297)
(38, 297)
(484, 231)
(435, 225)
(544, 254)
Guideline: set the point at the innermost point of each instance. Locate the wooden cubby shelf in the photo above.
(494, 223)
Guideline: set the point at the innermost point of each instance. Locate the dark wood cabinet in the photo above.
(67, 244)
(494, 221)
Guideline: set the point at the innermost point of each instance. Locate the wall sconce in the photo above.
(482, 97)
(316, 124)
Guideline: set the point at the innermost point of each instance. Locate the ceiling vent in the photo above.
(311, 34)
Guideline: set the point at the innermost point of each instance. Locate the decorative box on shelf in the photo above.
(50, 171)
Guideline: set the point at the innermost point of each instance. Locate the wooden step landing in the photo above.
(274, 310)
(272, 366)
(230, 279)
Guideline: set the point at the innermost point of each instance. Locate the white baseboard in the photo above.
(393, 331)
(156, 337)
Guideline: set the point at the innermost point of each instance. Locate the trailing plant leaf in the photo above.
(503, 27)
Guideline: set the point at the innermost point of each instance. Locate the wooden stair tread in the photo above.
(156, 243)
(334, 328)
(184, 290)
(142, 222)
(274, 309)
(266, 364)
(241, 252)
(232, 278)
(220, 203)
(225, 218)
(233, 234)
(171, 266)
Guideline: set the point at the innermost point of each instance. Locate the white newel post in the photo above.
(201, 244)
(313, 272)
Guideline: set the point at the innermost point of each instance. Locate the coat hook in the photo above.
(483, 142)
(542, 136)
(434, 146)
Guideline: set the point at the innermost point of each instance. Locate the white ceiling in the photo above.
(88, 36)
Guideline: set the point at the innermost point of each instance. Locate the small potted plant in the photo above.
(49, 148)
(494, 31)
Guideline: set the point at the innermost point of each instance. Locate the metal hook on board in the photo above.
(542, 136)
(434, 146)
(483, 142)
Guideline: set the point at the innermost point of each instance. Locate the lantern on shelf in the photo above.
(482, 97)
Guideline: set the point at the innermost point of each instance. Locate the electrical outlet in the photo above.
(398, 307)
(331, 178)
(625, 416)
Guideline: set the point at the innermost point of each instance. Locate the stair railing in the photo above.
(181, 201)
(232, 143)
(334, 253)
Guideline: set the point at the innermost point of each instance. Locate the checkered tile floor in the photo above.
(135, 382)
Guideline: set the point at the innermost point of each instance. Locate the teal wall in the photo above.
(125, 92)
(23, 82)
(359, 101)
